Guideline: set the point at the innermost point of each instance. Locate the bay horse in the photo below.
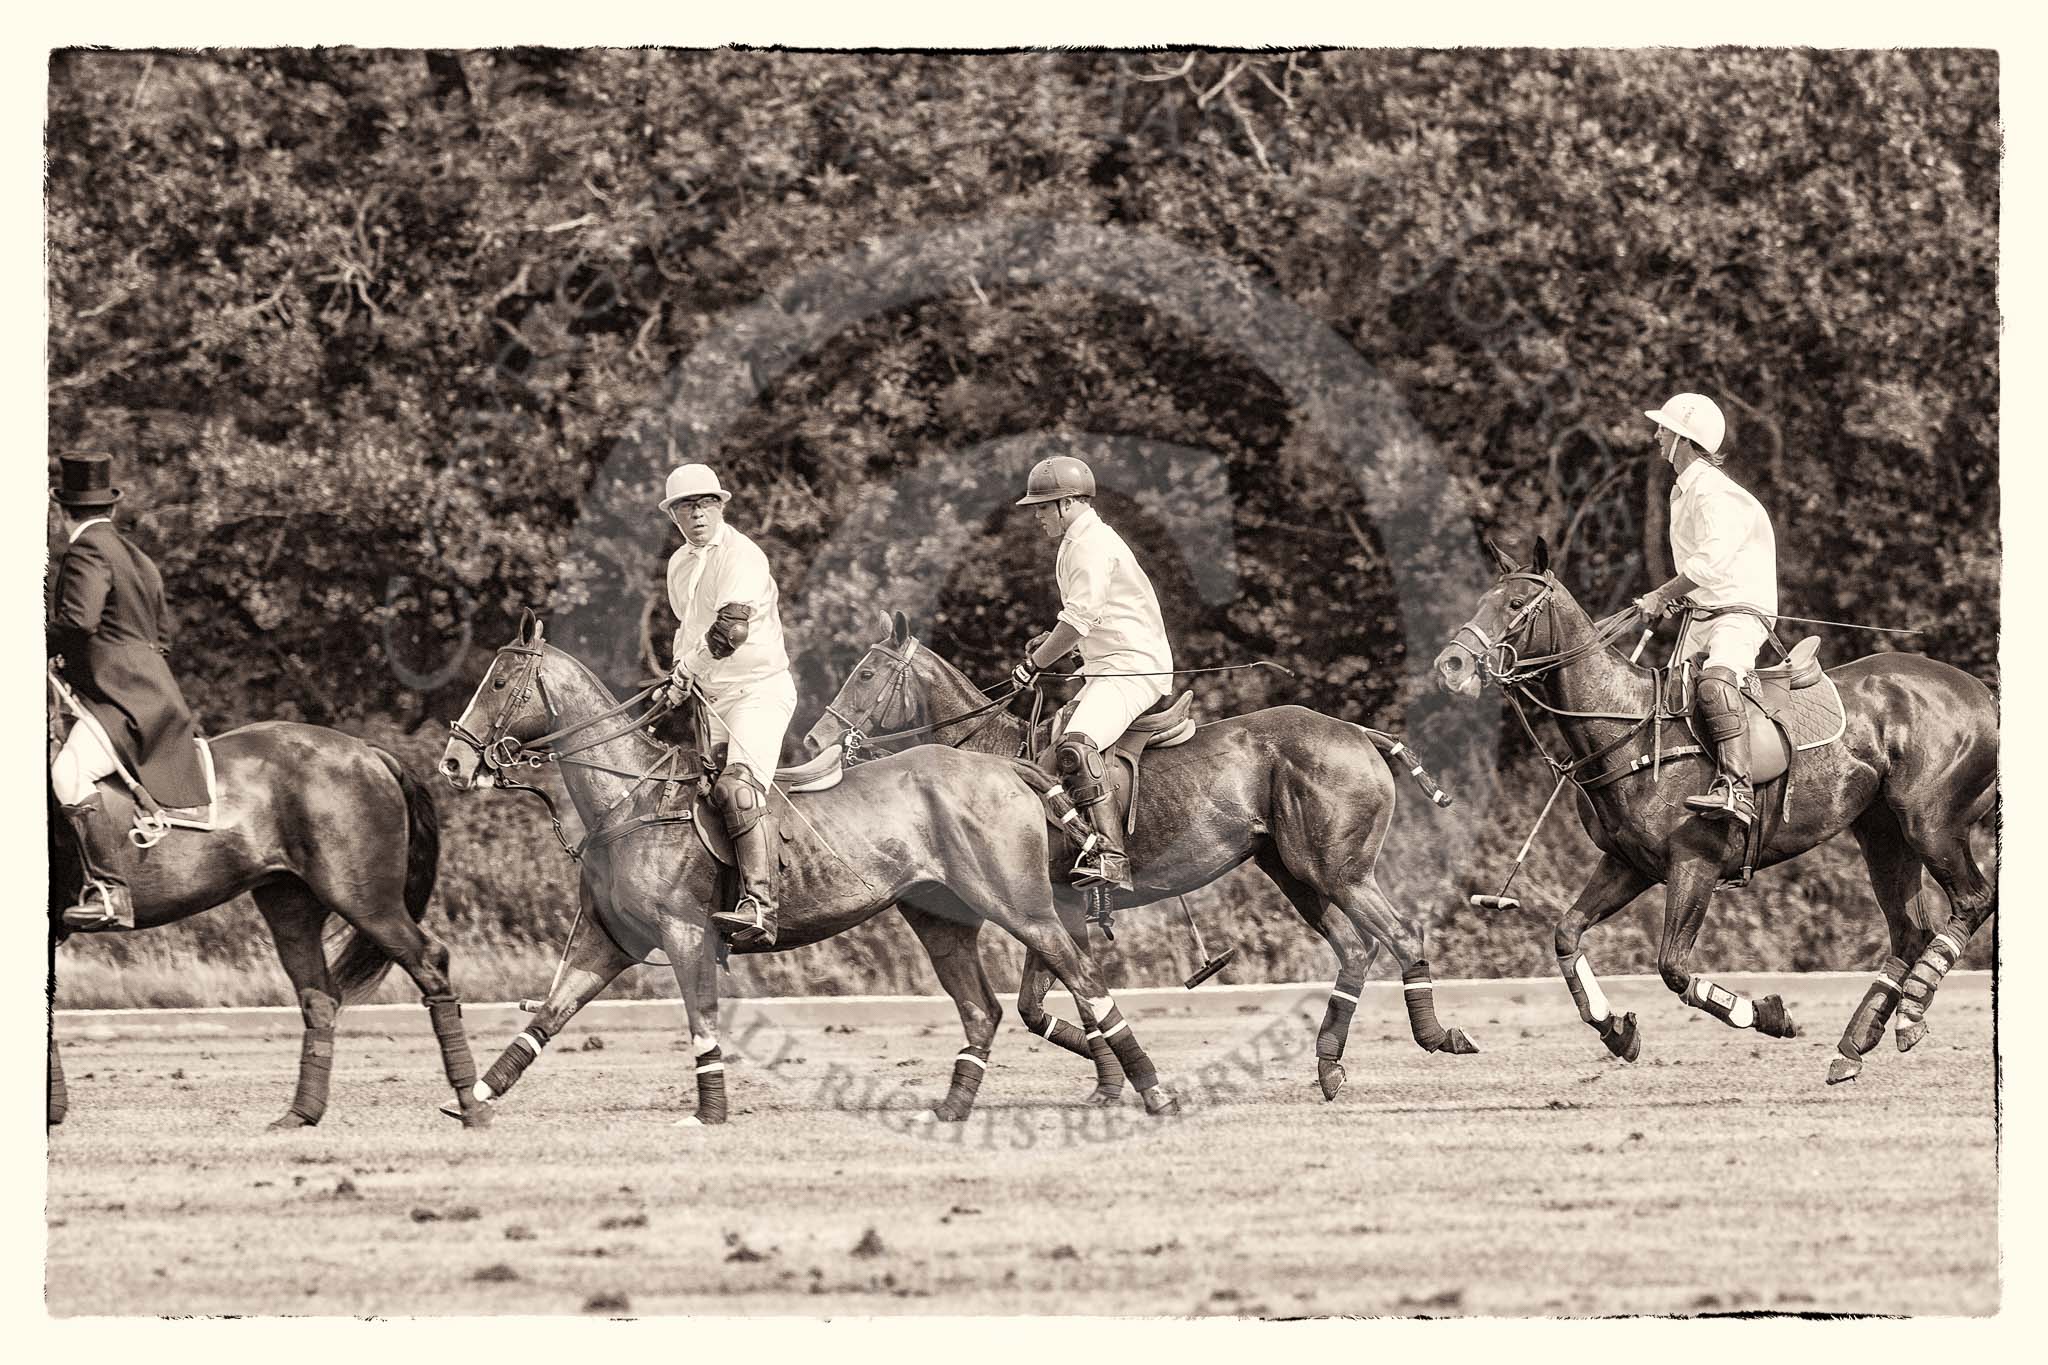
(951, 840)
(1305, 796)
(311, 823)
(1915, 768)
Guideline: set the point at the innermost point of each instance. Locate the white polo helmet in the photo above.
(1693, 416)
(692, 481)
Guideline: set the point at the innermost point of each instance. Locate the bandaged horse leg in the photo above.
(295, 919)
(1355, 955)
(1689, 889)
(1373, 914)
(1934, 963)
(1613, 885)
(1080, 976)
(1866, 1025)
(590, 962)
(59, 1096)
(950, 934)
(692, 946)
(1037, 980)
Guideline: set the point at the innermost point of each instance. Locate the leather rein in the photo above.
(503, 753)
(896, 689)
(1500, 662)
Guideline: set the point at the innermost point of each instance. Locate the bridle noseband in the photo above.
(498, 748)
(854, 736)
(1499, 661)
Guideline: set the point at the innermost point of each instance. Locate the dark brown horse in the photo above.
(1305, 796)
(1915, 769)
(952, 840)
(312, 823)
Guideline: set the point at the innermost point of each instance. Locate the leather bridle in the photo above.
(892, 697)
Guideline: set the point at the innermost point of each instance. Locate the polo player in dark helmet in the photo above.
(107, 624)
(1109, 612)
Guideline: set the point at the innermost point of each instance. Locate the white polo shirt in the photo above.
(1106, 596)
(730, 569)
(1721, 539)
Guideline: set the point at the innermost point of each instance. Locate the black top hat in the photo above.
(87, 481)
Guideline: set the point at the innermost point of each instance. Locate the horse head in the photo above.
(1511, 621)
(510, 706)
(884, 692)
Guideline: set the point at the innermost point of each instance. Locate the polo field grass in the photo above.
(1717, 1174)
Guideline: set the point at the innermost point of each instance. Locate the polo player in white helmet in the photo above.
(730, 645)
(1110, 613)
(1722, 544)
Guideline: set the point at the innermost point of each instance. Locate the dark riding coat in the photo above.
(107, 621)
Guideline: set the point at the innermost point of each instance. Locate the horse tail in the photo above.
(362, 964)
(1396, 751)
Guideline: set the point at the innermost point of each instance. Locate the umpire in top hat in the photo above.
(107, 620)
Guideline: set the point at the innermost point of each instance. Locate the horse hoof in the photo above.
(1910, 1034)
(1106, 1094)
(688, 1121)
(945, 1113)
(1773, 1020)
(1622, 1039)
(1842, 1068)
(1457, 1044)
(288, 1122)
(1331, 1075)
(1160, 1104)
(477, 1116)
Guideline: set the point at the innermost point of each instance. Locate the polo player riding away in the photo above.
(729, 648)
(107, 619)
(1110, 613)
(1726, 556)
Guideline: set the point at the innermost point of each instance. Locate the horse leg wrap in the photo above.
(1866, 1025)
(1942, 952)
(1724, 1004)
(523, 1051)
(1585, 989)
(316, 1056)
(446, 1013)
(1336, 1026)
(59, 1096)
(1129, 1055)
(1109, 1074)
(711, 1086)
(968, 1069)
(1419, 993)
(1060, 1033)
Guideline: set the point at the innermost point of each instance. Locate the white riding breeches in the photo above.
(82, 761)
(1732, 642)
(751, 721)
(1107, 706)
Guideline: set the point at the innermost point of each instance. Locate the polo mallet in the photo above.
(1214, 964)
(1504, 901)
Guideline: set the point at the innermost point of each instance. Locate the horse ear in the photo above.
(1500, 556)
(1542, 556)
(900, 627)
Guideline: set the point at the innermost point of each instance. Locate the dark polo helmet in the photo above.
(1060, 476)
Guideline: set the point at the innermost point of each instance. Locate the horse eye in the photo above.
(1515, 603)
(866, 674)
(497, 684)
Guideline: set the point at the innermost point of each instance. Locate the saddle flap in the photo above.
(1163, 719)
(819, 774)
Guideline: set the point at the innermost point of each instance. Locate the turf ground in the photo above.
(1540, 1177)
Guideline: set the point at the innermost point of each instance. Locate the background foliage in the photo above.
(391, 344)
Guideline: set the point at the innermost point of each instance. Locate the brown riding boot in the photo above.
(1718, 703)
(744, 808)
(1103, 862)
(105, 902)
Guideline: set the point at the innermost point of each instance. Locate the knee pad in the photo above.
(739, 798)
(1718, 697)
(1079, 763)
